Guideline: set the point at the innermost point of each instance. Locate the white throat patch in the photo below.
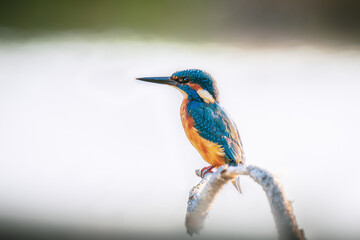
(206, 96)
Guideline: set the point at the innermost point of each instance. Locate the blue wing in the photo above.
(214, 125)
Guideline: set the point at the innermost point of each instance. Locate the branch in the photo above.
(203, 195)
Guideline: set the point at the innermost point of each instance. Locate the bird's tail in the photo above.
(236, 183)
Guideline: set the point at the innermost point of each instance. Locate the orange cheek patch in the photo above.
(196, 87)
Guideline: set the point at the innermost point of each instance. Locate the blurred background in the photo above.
(88, 152)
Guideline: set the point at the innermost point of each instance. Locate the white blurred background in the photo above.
(84, 145)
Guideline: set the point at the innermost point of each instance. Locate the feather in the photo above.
(213, 124)
(236, 183)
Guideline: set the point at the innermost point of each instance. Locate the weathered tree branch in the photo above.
(203, 195)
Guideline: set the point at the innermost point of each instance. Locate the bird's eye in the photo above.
(183, 80)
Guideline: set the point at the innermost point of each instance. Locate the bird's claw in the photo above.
(206, 170)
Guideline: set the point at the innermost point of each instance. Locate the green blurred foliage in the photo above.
(189, 19)
(154, 17)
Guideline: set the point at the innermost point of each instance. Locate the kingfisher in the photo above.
(207, 126)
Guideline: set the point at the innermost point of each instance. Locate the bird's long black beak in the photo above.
(160, 80)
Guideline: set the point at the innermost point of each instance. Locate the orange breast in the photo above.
(210, 152)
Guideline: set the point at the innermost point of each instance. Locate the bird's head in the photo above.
(193, 83)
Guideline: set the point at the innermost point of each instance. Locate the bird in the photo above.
(207, 126)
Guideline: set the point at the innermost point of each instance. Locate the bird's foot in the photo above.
(206, 170)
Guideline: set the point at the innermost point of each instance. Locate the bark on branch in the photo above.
(203, 195)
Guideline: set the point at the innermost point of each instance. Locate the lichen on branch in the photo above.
(202, 196)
